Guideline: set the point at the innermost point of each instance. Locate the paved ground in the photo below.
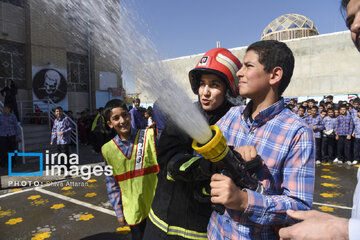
(74, 208)
(70, 209)
(334, 188)
(55, 207)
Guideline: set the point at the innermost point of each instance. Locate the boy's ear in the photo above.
(276, 76)
(109, 124)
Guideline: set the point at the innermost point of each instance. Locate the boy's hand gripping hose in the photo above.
(230, 163)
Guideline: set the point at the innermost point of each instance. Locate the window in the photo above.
(12, 63)
(293, 26)
(78, 72)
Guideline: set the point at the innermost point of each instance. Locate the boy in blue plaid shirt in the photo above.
(61, 133)
(354, 110)
(284, 141)
(343, 130)
(356, 134)
(316, 124)
(328, 139)
(301, 112)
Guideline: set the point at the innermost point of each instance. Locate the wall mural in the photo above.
(49, 84)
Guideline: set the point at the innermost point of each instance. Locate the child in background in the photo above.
(356, 135)
(301, 112)
(132, 155)
(336, 114)
(308, 112)
(304, 104)
(328, 105)
(328, 139)
(343, 130)
(150, 122)
(323, 114)
(98, 131)
(316, 124)
(61, 133)
(311, 103)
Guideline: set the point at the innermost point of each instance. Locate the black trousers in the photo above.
(328, 148)
(343, 149)
(137, 231)
(98, 141)
(317, 148)
(357, 149)
(7, 144)
(64, 148)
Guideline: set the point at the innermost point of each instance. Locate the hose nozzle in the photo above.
(215, 149)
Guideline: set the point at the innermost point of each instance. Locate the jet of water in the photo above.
(114, 35)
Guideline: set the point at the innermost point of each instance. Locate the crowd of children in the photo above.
(158, 186)
(94, 131)
(336, 128)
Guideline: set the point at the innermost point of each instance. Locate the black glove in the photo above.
(188, 168)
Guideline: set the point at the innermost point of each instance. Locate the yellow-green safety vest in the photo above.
(93, 126)
(136, 176)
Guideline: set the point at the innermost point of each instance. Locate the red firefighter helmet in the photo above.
(221, 62)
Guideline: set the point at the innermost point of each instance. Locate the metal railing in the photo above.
(45, 115)
(21, 134)
(22, 143)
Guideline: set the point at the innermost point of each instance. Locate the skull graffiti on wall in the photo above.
(52, 81)
(49, 84)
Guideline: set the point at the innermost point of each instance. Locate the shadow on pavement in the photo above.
(107, 236)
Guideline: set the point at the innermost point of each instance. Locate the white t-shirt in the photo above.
(150, 121)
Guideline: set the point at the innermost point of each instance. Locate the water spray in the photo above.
(113, 29)
(110, 25)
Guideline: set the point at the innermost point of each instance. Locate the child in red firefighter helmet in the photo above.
(180, 210)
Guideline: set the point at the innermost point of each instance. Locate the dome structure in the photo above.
(289, 26)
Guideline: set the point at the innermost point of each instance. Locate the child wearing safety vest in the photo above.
(132, 155)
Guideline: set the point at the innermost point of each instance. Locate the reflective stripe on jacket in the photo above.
(175, 230)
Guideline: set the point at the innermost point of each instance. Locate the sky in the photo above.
(186, 27)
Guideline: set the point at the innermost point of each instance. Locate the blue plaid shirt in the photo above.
(353, 113)
(61, 125)
(357, 127)
(287, 146)
(317, 122)
(8, 125)
(344, 125)
(329, 123)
